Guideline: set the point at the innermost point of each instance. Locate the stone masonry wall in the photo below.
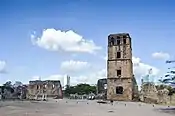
(40, 88)
(124, 66)
(127, 89)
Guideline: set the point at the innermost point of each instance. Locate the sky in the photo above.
(50, 39)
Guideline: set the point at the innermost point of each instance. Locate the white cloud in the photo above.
(62, 78)
(74, 66)
(91, 78)
(161, 55)
(141, 69)
(79, 76)
(69, 41)
(36, 78)
(105, 58)
(32, 36)
(3, 65)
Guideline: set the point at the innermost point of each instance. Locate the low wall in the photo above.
(161, 99)
(171, 100)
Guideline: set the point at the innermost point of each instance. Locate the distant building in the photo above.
(44, 89)
(102, 86)
(68, 81)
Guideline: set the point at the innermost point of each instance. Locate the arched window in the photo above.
(37, 87)
(44, 86)
(53, 86)
(118, 41)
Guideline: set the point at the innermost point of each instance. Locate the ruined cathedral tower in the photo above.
(120, 80)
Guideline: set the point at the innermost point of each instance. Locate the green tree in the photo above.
(8, 84)
(160, 87)
(171, 90)
(80, 89)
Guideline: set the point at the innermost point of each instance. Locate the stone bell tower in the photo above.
(120, 78)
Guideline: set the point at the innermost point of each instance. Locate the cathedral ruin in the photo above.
(41, 90)
(121, 83)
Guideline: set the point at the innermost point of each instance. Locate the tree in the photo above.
(171, 90)
(8, 84)
(80, 89)
(17, 84)
(160, 87)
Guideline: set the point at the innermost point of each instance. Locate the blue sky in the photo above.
(151, 24)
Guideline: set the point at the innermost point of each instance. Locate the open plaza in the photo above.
(67, 107)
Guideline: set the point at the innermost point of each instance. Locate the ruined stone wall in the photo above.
(135, 90)
(123, 65)
(172, 99)
(101, 86)
(124, 49)
(40, 88)
(127, 89)
(164, 98)
(149, 93)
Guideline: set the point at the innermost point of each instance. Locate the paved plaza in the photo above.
(82, 108)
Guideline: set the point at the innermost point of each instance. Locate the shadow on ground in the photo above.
(167, 110)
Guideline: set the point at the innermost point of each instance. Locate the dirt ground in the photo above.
(82, 108)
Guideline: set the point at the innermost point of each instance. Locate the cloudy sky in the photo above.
(50, 39)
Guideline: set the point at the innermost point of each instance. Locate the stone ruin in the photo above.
(121, 83)
(150, 94)
(102, 89)
(163, 97)
(41, 90)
